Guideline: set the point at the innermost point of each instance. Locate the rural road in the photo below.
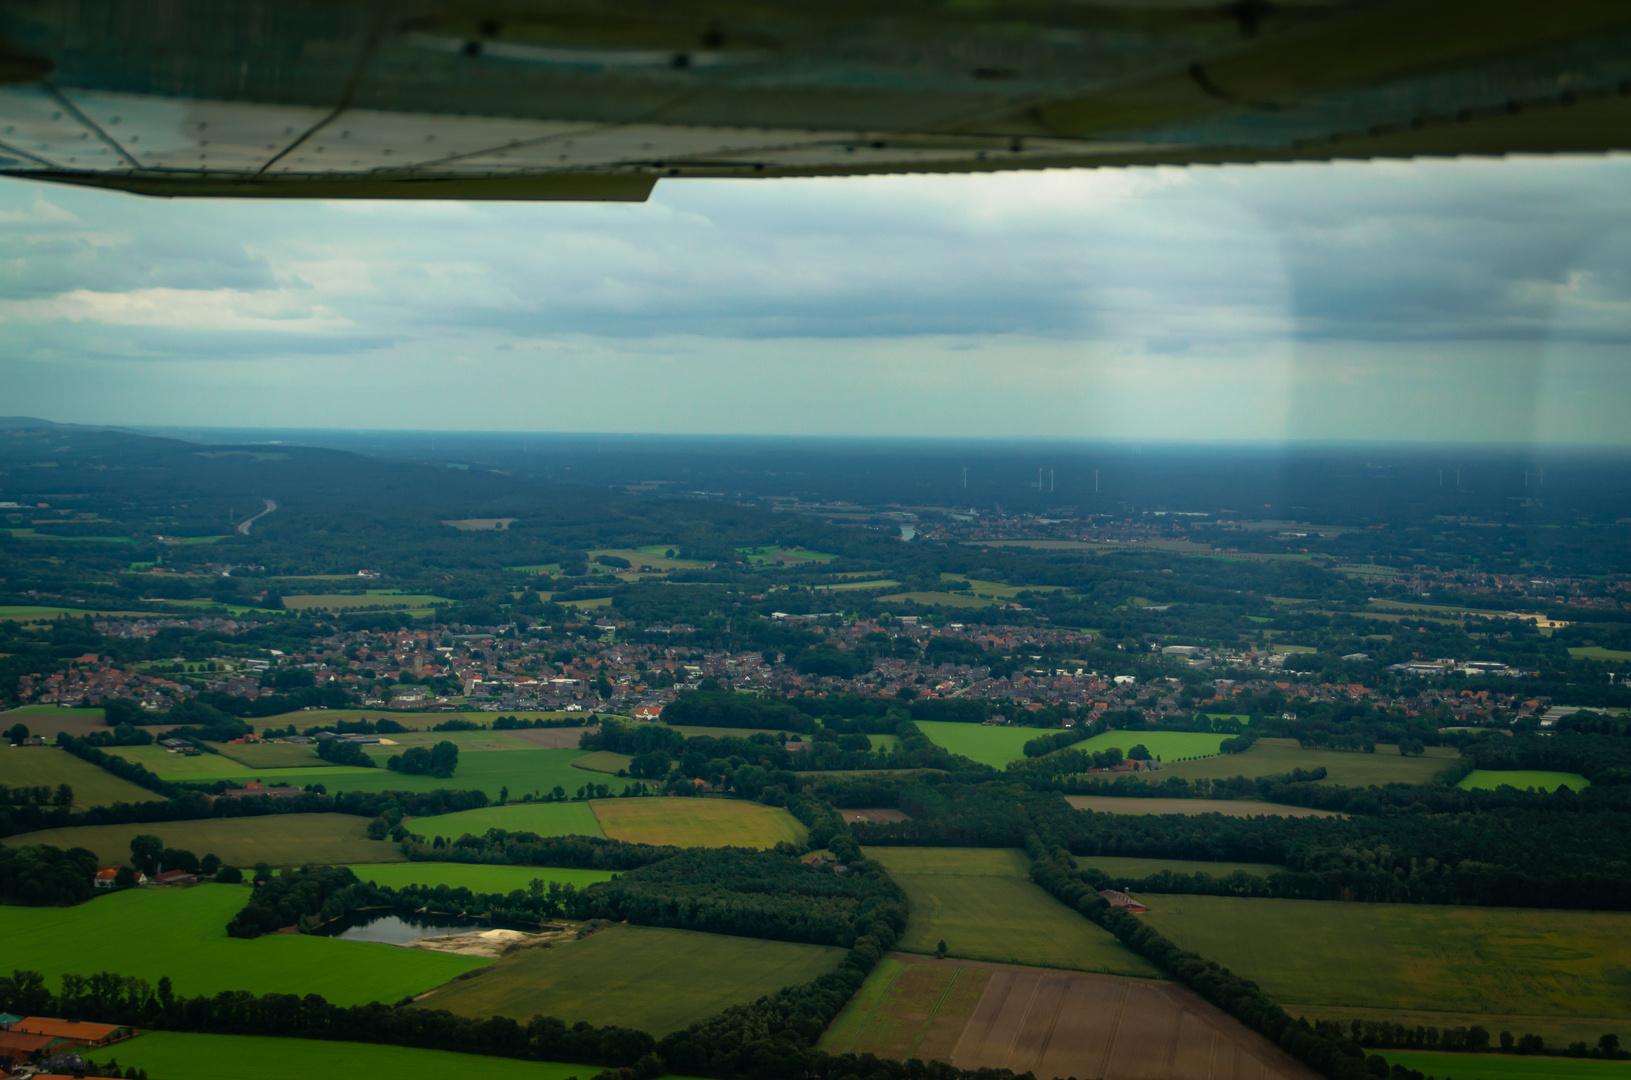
(243, 526)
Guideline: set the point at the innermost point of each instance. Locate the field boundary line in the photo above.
(1053, 1023)
(1024, 1017)
(923, 1032)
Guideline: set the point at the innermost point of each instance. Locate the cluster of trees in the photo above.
(39, 875)
(521, 723)
(506, 848)
(341, 752)
(121, 735)
(750, 894)
(440, 760)
(294, 898)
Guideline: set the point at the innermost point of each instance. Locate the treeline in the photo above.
(117, 999)
(37, 795)
(1384, 1035)
(1516, 854)
(502, 847)
(750, 894)
(1056, 871)
(118, 766)
(440, 760)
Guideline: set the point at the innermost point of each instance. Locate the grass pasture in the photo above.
(477, 877)
(995, 746)
(175, 1056)
(603, 761)
(686, 822)
(181, 933)
(34, 766)
(270, 755)
(908, 1010)
(1507, 1066)
(1113, 804)
(279, 839)
(943, 599)
(1597, 652)
(656, 980)
(652, 557)
(997, 914)
(1523, 780)
(1165, 746)
(1272, 757)
(545, 819)
(521, 771)
(1561, 975)
(381, 599)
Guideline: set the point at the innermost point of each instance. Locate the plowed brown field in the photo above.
(1051, 1023)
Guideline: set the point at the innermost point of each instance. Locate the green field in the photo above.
(698, 822)
(33, 766)
(1116, 866)
(637, 976)
(996, 913)
(960, 862)
(1597, 652)
(270, 755)
(1522, 779)
(150, 933)
(993, 746)
(375, 598)
(168, 1055)
(476, 877)
(156, 759)
(468, 742)
(890, 743)
(1271, 757)
(280, 839)
(521, 771)
(603, 761)
(545, 819)
(944, 599)
(1561, 975)
(48, 721)
(1165, 746)
(1507, 1066)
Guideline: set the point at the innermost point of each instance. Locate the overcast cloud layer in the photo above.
(1484, 300)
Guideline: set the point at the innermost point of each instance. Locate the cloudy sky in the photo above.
(1486, 301)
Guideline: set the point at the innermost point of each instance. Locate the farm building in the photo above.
(1122, 900)
(256, 789)
(74, 1031)
(108, 877)
(175, 877)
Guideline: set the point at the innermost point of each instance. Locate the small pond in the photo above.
(403, 927)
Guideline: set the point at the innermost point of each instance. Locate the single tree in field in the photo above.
(940, 950)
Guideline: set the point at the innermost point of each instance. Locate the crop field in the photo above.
(993, 746)
(33, 766)
(691, 731)
(1050, 1023)
(1271, 757)
(176, 1056)
(545, 819)
(603, 761)
(150, 933)
(1507, 1067)
(962, 862)
(48, 721)
(761, 555)
(477, 877)
(1560, 975)
(998, 914)
(1523, 779)
(280, 839)
(653, 557)
(468, 742)
(1166, 746)
(697, 822)
(996, 590)
(944, 599)
(1116, 866)
(1113, 804)
(642, 977)
(156, 759)
(270, 755)
(381, 599)
(521, 771)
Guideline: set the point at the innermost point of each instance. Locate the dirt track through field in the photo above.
(1062, 1024)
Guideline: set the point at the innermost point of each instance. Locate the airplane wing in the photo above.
(598, 99)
